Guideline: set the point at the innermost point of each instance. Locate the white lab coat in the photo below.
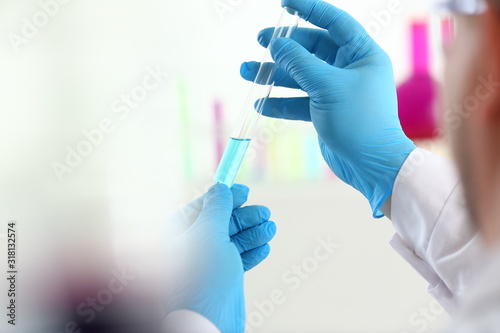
(434, 232)
(435, 235)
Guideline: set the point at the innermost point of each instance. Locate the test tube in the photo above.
(241, 137)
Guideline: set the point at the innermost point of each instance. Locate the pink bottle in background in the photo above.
(417, 96)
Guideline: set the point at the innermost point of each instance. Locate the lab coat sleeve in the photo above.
(184, 321)
(434, 232)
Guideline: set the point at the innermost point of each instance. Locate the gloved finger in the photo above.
(248, 217)
(344, 30)
(303, 67)
(250, 69)
(254, 237)
(254, 257)
(316, 41)
(240, 195)
(217, 209)
(295, 108)
(189, 213)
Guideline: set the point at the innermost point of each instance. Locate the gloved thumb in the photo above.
(302, 66)
(217, 209)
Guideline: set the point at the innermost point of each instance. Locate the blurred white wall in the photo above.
(67, 78)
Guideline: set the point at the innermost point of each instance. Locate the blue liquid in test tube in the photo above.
(231, 160)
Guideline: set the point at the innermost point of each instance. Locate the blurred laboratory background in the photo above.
(127, 105)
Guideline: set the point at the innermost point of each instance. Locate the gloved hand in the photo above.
(352, 97)
(250, 229)
(207, 275)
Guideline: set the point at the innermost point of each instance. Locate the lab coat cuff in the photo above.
(437, 288)
(419, 196)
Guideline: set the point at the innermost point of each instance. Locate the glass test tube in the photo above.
(254, 105)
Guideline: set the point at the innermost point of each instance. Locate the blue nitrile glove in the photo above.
(352, 97)
(207, 267)
(250, 228)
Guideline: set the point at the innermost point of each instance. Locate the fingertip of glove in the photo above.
(265, 250)
(265, 213)
(240, 191)
(218, 188)
(248, 70)
(290, 4)
(260, 37)
(271, 228)
(241, 187)
(243, 69)
(264, 36)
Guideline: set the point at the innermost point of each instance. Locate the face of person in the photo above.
(471, 94)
